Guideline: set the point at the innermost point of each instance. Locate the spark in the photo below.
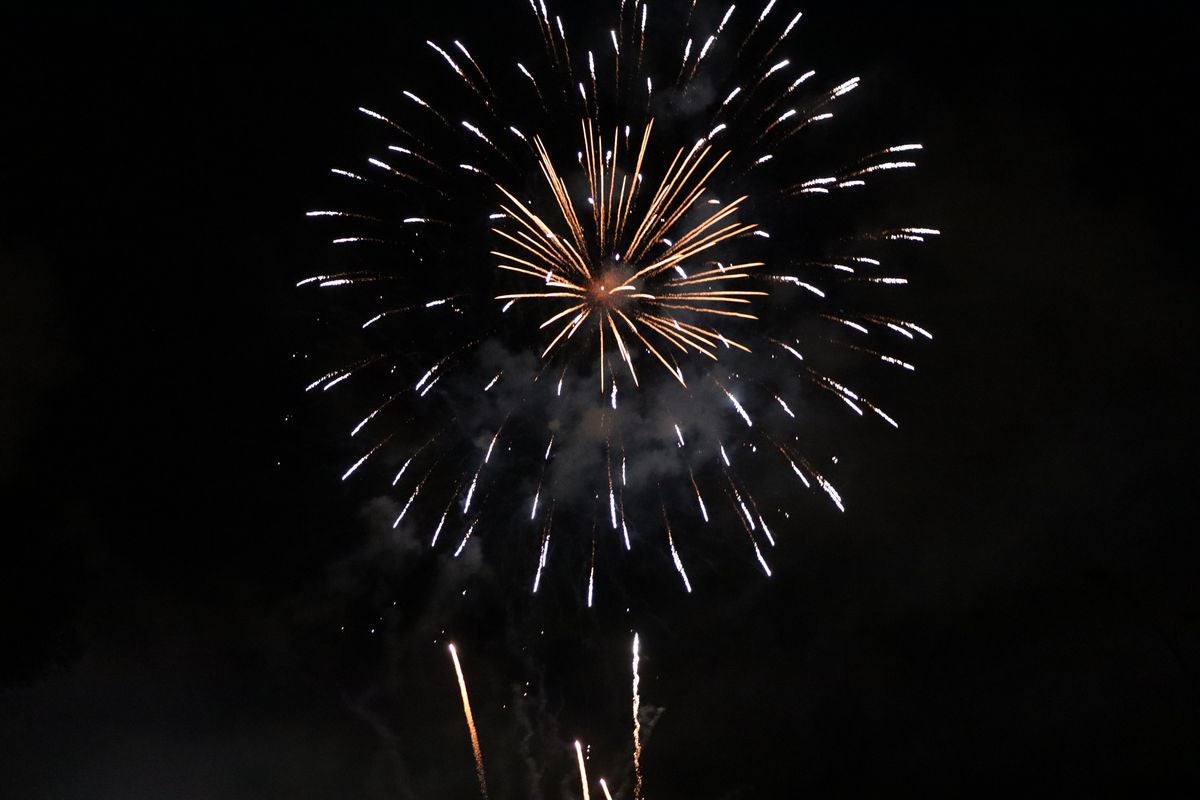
(438, 529)
(537, 577)
(762, 561)
(591, 577)
(725, 19)
(738, 406)
(466, 536)
(897, 362)
(766, 531)
(400, 474)
(781, 65)
(404, 510)
(678, 562)
(699, 499)
(832, 492)
(491, 446)
(470, 493)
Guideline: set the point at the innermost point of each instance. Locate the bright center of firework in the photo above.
(665, 291)
(607, 290)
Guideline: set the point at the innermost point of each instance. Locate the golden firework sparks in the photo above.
(611, 273)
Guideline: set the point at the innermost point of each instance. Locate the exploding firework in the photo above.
(606, 286)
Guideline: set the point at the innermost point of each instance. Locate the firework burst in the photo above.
(600, 296)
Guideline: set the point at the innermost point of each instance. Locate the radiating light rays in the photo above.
(604, 272)
(547, 197)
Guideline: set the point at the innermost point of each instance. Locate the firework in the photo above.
(476, 751)
(637, 722)
(583, 778)
(580, 759)
(597, 302)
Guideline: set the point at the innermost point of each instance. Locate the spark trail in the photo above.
(637, 722)
(583, 779)
(478, 753)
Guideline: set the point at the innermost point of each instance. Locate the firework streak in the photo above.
(462, 688)
(608, 281)
(578, 746)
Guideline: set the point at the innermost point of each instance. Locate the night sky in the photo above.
(189, 592)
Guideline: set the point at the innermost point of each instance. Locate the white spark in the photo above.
(400, 474)
(832, 492)
(357, 464)
(766, 530)
(404, 510)
(800, 474)
(740, 410)
(463, 543)
(897, 362)
(678, 563)
(537, 577)
(761, 560)
(438, 529)
(470, 493)
(725, 19)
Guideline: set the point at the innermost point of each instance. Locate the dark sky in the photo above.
(1010, 602)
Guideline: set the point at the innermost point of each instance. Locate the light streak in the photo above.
(466, 536)
(545, 551)
(637, 720)
(476, 751)
(583, 781)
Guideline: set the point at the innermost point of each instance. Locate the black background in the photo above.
(1010, 601)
